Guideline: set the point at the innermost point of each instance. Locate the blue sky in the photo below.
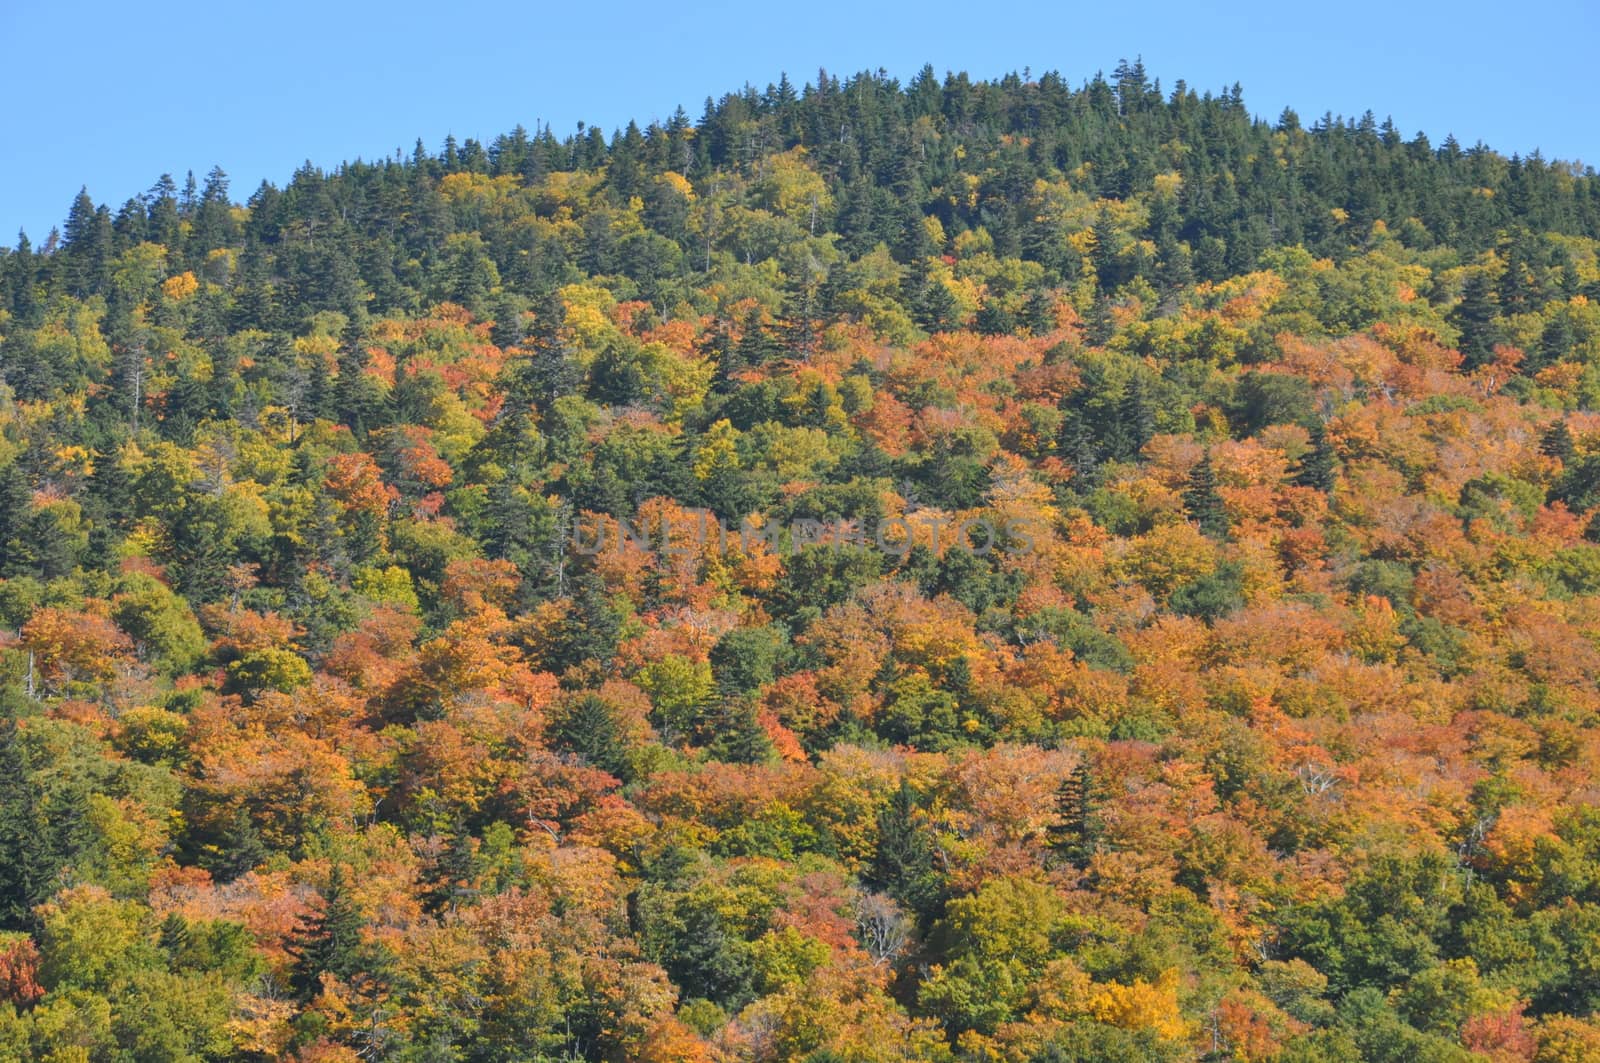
(113, 95)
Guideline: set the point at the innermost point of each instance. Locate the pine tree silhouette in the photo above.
(1557, 442)
(1076, 834)
(1318, 465)
(1136, 420)
(453, 872)
(239, 849)
(903, 864)
(28, 859)
(175, 937)
(330, 941)
(588, 729)
(1201, 501)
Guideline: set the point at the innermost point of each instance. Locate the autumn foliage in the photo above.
(1262, 728)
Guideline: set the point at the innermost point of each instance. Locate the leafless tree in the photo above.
(883, 928)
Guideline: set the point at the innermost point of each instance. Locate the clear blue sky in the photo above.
(112, 95)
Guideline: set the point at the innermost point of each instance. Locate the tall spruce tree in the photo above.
(1318, 466)
(28, 857)
(452, 874)
(330, 942)
(1475, 316)
(736, 735)
(587, 727)
(87, 250)
(238, 848)
(1556, 442)
(1136, 420)
(1201, 501)
(1075, 836)
(902, 865)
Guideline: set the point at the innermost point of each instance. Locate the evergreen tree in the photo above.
(1556, 442)
(329, 942)
(1075, 836)
(1079, 449)
(902, 865)
(189, 198)
(1318, 466)
(20, 274)
(215, 223)
(88, 246)
(1136, 420)
(455, 870)
(1555, 344)
(958, 676)
(29, 858)
(934, 308)
(1474, 315)
(16, 504)
(586, 727)
(356, 398)
(592, 627)
(737, 736)
(161, 206)
(175, 937)
(1201, 501)
(237, 850)
(549, 372)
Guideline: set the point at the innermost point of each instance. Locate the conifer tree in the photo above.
(455, 869)
(1318, 465)
(1136, 419)
(238, 850)
(1555, 343)
(214, 225)
(934, 308)
(87, 247)
(161, 205)
(27, 857)
(16, 501)
(357, 401)
(330, 941)
(903, 863)
(175, 937)
(548, 373)
(1076, 834)
(1201, 501)
(1080, 450)
(737, 735)
(587, 728)
(1556, 442)
(591, 629)
(20, 272)
(1474, 315)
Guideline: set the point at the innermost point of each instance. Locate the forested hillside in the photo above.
(1267, 730)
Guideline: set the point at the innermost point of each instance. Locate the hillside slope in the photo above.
(946, 571)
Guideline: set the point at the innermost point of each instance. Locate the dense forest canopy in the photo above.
(1273, 738)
